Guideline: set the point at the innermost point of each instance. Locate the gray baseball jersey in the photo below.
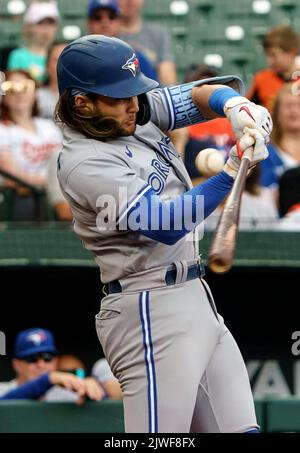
(178, 366)
(89, 169)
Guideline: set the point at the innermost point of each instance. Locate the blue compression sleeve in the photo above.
(33, 389)
(151, 214)
(219, 97)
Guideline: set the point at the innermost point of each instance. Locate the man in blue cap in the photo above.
(104, 18)
(35, 364)
(34, 354)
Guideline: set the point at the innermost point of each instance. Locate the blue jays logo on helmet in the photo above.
(133, 65)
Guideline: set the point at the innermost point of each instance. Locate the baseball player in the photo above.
(130, 196)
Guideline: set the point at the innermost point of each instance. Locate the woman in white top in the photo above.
(27, 141)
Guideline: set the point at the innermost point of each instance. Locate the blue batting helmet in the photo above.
(102, 65)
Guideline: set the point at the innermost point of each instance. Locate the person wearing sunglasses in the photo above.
(35, 365)
(104, 18)
(27, 142)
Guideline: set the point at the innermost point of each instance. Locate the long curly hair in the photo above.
(92, 125)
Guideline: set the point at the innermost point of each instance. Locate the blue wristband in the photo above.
(219, 97)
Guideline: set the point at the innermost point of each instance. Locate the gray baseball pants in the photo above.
(178, 365)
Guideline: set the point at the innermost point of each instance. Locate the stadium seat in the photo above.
(73, 8)
(71, 29)
(156, 9)
(11, 31)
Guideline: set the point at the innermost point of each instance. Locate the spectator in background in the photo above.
(26, 141)
(284, 150)
(47, 94)
(102, 373)
(289, 200)
(70, 363)
(103, 18)
(152, 40)
(34, 354)
(66, 364)
(35, 364)
(281, 46)
(40, 28)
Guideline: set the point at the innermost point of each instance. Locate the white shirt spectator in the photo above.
(30, 151)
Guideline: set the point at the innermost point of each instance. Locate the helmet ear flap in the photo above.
(144, 113)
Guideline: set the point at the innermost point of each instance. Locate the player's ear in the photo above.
(83, 103)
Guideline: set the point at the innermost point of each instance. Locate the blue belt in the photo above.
(194, 271)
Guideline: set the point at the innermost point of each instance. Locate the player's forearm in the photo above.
(169, 221)
(210, 99)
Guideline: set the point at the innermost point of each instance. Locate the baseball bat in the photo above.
(222, 249)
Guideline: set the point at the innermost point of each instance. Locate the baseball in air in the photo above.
(210, 161)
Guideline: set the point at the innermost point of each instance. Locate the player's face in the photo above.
(289, 112)
(279, 60)
(123, 111)
(104, 22)
(26, 371)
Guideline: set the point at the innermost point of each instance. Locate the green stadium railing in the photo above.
(54, 243)
(39, 417)
(283, 415)
(24, 416)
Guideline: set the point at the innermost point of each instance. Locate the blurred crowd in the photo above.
(30, 141)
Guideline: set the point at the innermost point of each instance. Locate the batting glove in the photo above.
(251, 139)
(243, 113)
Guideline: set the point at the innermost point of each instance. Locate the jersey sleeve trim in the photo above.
(130, 205)
(170, 107)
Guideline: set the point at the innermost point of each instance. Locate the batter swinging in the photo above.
(179, 367)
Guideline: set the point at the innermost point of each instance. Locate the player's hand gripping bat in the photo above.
(222, 249)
